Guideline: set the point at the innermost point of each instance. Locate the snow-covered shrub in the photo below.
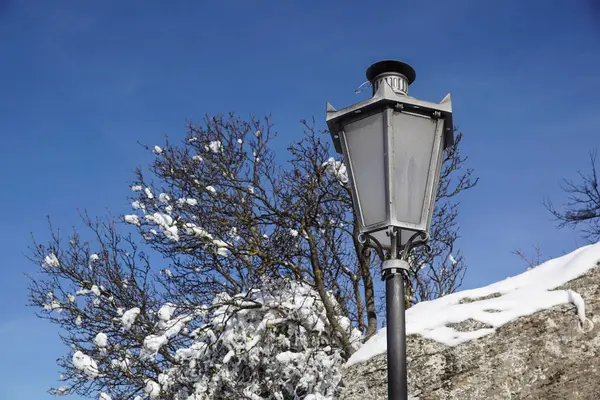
(274, 342)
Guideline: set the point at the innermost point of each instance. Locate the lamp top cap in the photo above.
(391, 66)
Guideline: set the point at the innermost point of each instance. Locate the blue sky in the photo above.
(82, 82)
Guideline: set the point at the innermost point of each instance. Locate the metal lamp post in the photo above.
(393, 146)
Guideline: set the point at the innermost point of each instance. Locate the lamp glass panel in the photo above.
(365, 144)
(413, 139)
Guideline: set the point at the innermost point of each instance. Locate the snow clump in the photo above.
(214, 146)
(165, 223)
(101, 340)
(132, 219)
(50, 261)
(128, 317)
(85, 364)
(152, 389)
(166, 311)
(336, 169)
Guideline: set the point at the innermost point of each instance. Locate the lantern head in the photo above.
(393, 149)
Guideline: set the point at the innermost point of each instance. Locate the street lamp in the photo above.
(393, 148)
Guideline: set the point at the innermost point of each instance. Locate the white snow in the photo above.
(175, 326)
(165, 223)
(164, 198)
(518, 296)
(211, 189)
(122, 365)
(287, 357)
(104, 396)
(228, 356)
(240, 141)
(157, 150)
(197, 158)
(193, 229)
(152, 344)
(51, 261)
(452, 259)
(152, 389)
(96, 290)
(136, 188)
(214, 146)
(222, 247)
(85, 364)
(166, 311)
(78, 320)
(164, 220)
(129, 317)
(192, 202)
(293, 232)
(132, 219)
(61, 391)
(337, 169)
(222, 251)
(94, 257)
(101, 340)
(54, 305)
(317, 396)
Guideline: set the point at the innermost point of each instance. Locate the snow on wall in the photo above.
(517, 296)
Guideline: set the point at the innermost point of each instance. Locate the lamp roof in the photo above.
(391, 66)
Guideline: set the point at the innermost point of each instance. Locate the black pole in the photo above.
(393, 269)
(396, 336)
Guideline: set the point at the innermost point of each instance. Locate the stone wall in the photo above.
(547, 355)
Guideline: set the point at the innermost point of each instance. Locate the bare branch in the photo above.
(582, 208)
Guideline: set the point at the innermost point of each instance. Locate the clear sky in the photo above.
(82, 82)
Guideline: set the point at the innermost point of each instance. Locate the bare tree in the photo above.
(533, 261)
(83, 289)
(229, 214)
(127, 338)
(251, 192)
(226, 210)
(582, 209)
